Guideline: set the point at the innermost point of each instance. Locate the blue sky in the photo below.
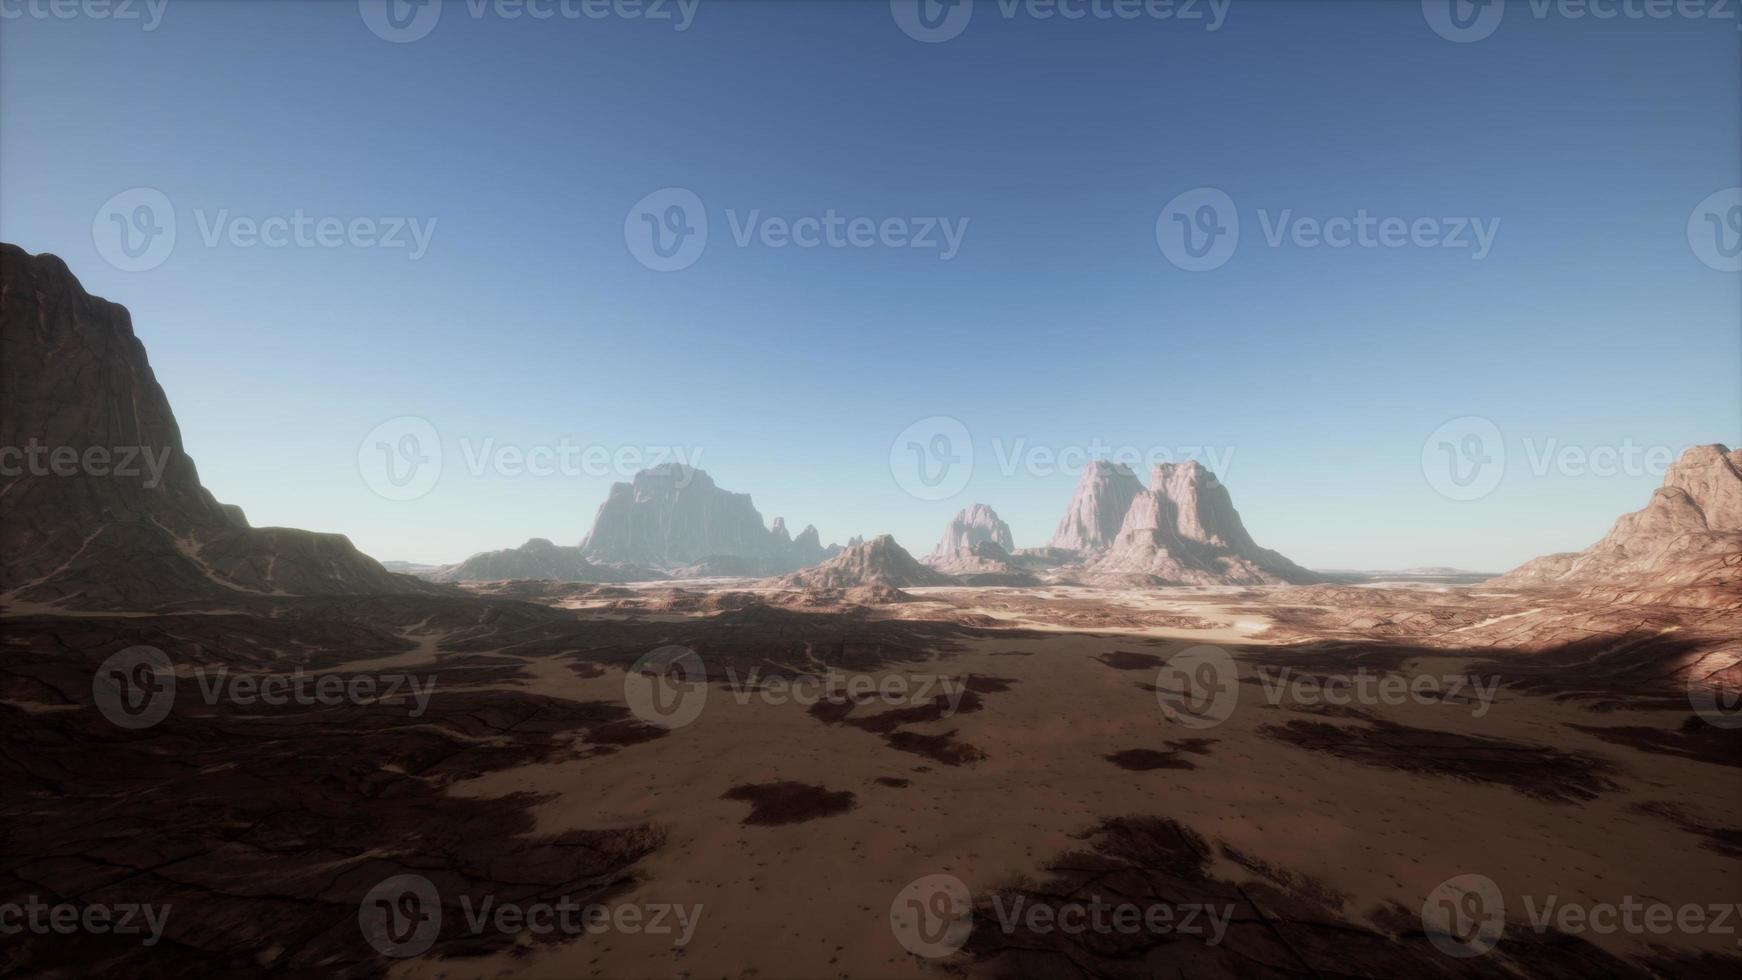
(1314, 375)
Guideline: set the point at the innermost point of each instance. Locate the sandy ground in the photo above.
(812, 898)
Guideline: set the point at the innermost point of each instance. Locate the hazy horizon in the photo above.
(1565, 168)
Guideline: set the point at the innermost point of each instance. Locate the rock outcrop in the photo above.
(1097, 511)
(1687, 539)
(1184, 530)
(972, 525)
(879, 561)
(672, 515)
(986, 563)
(100, 505)
(540, 559)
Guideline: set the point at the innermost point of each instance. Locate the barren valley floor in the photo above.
(1034, 748)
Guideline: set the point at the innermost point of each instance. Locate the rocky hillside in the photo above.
(1097, 511)
(1687, 539)
(540, 559)
(674, 515)
(103, 508)
(1184, 530)
(879, 561)
(974, 524)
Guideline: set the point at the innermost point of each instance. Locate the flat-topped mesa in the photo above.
(1683, 547)
(879, 561)
(1184, 530)
(674, 515)
(972, 525)
(1097, 510)
(138, 529)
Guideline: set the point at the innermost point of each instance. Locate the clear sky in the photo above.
(1595, 316)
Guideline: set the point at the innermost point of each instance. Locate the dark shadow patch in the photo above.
(772, 804)
(1724, 840)
(1534, 770)
(893, 782)
(1143, 760)
(1696, 739)
(1128, 660)
(939, 748)
(1196, 746)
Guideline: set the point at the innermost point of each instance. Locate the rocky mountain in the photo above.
(1684, 546)
(102, 506)
(539, 558)
(985, 563)
(1097, 511)
(974, 524)
(879, 561)
(1184, 530)
(674, 515)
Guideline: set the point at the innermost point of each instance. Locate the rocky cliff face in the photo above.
(1184, 530)
(973, 525)
(1687, 539)
(674, 515)
(879, 561)
(539, 558)
(1097, 511)
(100, 506)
